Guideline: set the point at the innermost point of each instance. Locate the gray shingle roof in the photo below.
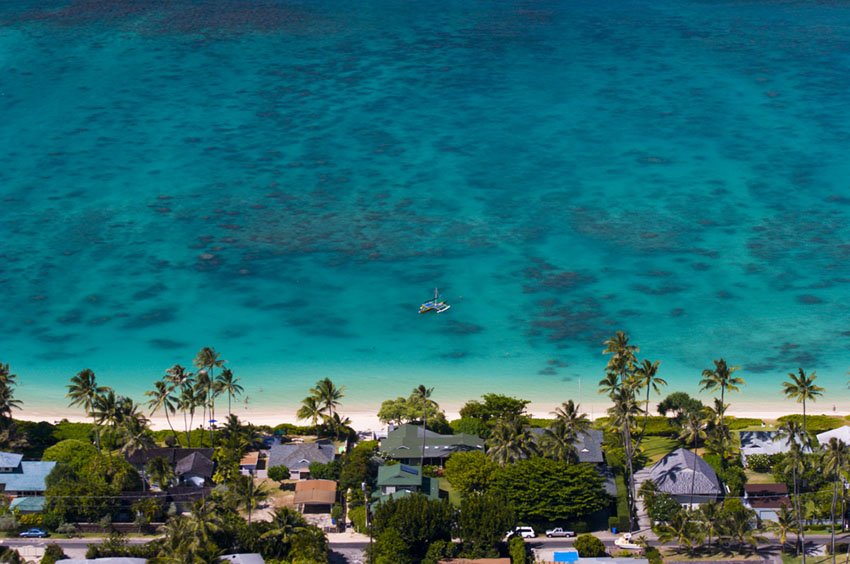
(141, 457)
(300, 456)
(29, 479)
(674, 474)
(10, 459)
(195, 464)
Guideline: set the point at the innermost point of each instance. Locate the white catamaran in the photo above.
(436, 305)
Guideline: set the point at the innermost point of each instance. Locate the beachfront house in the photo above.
(22, 478)
(762, 442)
(682, 472)
(299, 456)
(766, 500)
(841, 433)
(192, 466)
(405, 444)
(315, 496)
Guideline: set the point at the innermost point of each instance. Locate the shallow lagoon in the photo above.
(288, 182)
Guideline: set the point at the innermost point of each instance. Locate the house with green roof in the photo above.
(405, 444)
(399, 480)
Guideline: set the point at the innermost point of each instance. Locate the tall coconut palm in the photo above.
(6, 376)
(795, 462)
(229, 385)
(692, 431)
(681, 529)
(720, 378)
(162, 398)
(187, 401)
(105, 409)
(802, 387)
(646, 376)
(623, 357)
(422, 395)
(310, 409)
(7, 403)
(569, 413)
(328, 395)
(835, 463)
(207, 360)
(203, 387)
(250, 495)
(83, 391)
(622, 417)
(510, 441)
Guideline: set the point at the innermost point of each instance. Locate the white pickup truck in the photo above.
(559, 532)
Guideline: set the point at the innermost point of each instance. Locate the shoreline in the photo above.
(367, 420)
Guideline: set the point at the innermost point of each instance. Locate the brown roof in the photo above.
(767, 496)
(250, 459)
(315, 492)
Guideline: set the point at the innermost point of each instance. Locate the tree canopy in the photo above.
(544, 491)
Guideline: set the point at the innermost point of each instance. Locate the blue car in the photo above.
(34, 534)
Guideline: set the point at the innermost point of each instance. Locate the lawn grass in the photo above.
(702, 555)
(810, 559)
(754, 477)
(655, 448)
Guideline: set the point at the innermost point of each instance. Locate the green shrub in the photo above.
(518, 551)
(759, 463)
(357, 516)
(278, 473)
(589, 546)
(815, 423)
(52, 553)
(622, 503)
(653, 555)
(67, 529)
(579, 526)
(613, 523)
(31, 519)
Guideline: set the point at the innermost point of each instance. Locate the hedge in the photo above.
(738, 423)
(815, 423)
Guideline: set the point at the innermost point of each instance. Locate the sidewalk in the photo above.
(348, 536)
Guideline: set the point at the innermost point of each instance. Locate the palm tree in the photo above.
(622, 416)
(310, 409)
(159, 472)
(720, 377)
(161, 398)
(692, 431)
(207, 360)
(558, 442)
(338, 427)
(187, 401)
(250, 495)
(510, 441)
(285, 525)
(6, 376)
(719, 436)
(423, 394)
(569, 414)
(623, 357)
(203, 523)
(328, 395)
(646, 375)
(835, 462)
(681, 529)
(795, 461)
(135, 436)
(802, 387)
(709, 516)
(7, 403)
(83, 391)
(203, 387)
(105, 409)
(229, 385)
(786, 522)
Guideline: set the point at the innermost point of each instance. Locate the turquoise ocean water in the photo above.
(286, 181)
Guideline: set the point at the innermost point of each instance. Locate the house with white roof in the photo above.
(842, 434)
